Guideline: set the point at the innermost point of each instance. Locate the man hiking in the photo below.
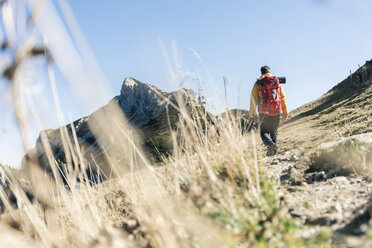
(269, 96)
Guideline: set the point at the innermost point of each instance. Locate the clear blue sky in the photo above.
(314, 43)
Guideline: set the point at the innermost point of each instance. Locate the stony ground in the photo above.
(322, 198)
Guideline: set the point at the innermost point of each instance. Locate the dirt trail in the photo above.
(321, 198)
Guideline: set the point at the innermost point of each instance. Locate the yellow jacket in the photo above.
(256, 96)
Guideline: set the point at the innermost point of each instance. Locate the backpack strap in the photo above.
(260, 81)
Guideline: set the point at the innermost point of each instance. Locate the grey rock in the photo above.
(98, 134)
(364, 228)
(320, 176)
(294, 157)
(340, 179)
(142, 102)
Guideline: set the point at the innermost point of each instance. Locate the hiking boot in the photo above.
(272, 150)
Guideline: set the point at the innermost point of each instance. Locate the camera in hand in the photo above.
(282, 80)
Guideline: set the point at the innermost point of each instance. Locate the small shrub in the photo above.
(351, 157)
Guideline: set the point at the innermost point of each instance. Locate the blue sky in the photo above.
(314, 43)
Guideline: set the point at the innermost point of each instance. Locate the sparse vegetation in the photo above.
(210, 190)
(306, 204)
(219, 186)
(349, 157)
(343, 111)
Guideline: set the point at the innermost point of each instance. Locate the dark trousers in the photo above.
(269, 132)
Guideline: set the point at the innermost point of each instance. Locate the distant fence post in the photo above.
(351, 78)
(225, 82)
(360, 73)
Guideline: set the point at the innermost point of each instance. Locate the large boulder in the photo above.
(141, 114)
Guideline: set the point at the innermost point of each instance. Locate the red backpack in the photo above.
(271, 103)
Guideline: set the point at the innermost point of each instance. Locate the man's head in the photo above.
(265, 69)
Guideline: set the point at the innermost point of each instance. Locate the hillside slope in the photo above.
(344, 110)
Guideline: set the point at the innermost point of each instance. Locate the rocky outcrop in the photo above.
(142, 102)
(89, 140)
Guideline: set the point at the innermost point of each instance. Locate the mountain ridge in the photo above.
(342, 111)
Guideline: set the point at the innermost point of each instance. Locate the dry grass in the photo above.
(311, 124)
(349, 157)
(209, 193)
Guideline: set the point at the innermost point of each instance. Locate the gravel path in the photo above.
(320, 198)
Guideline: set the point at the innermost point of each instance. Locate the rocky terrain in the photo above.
(320, 197)
(323, 171)
(323, 198)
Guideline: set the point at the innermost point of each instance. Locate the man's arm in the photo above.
(284, 102)
(255, 96)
